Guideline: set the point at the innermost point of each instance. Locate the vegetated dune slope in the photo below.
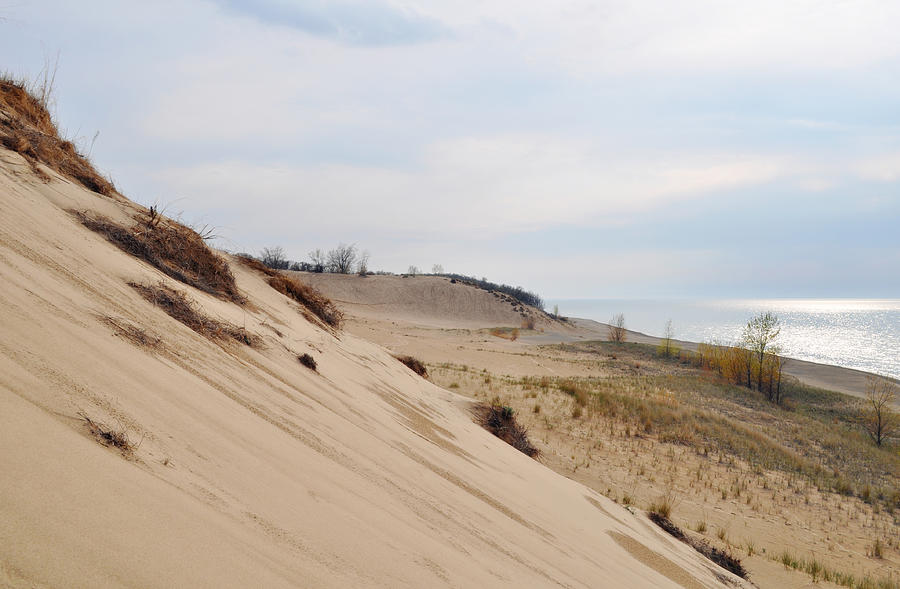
(427, 300)
(249, 469)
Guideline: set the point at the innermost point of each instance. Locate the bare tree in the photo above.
(362, 264)
(759, 337)
(666, 348)
(413, 270)
(437, 269)
(274, 258)
(881, 422)
(616, 328)
(342, 259)
(318, 259)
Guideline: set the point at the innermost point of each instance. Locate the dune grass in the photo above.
(820, 572)
(414, 364)
(310, 298)
(172, 248)
(27, 128)
(500, 420)
(178, 306)
(723, 558)
(816, 433)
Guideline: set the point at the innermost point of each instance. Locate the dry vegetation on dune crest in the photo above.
(176, 250)
(310, 298)
(27, 128)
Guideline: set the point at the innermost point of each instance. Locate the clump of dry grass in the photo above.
(501, 421)
(178, 306)
(662, 508)
(109, 436)
(311, 299)
(510, 333)
(721, 557)
(176, 250)
(27, 128)
(414, 364)
(136, 335)
(307, 361)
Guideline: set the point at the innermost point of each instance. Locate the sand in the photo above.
(249, 469)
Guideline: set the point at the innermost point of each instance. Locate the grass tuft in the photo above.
(178, 306)
(174, 249)
(108, 436)
(308, 361)
(414, 364)
(501, 421)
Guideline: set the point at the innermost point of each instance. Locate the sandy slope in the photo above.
(252, 470)
(425, 300)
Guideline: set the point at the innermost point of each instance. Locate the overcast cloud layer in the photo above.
(580, 149)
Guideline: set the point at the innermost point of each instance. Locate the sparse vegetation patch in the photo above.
(178, 306)
(819, 572)
(721, 557)
(136, 335)
(174, 249)
(27, 128)
(312, 299)
(109, 436)
(308, 361)
(415, 365)
(501, 421)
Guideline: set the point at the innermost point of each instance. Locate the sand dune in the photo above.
(249, 469)
(433, 301)
(426, 300)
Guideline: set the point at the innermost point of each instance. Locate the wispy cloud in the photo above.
(360, 22)
(476, 186)
(882, 168)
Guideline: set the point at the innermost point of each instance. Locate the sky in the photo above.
(580, 149)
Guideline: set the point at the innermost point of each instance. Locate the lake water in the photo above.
(863, 334)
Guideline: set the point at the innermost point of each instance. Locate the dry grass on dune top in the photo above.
(176, 250)
(312, 299)
(27, 128)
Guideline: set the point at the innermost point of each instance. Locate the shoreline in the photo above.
(855, 333)
(839, 379)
